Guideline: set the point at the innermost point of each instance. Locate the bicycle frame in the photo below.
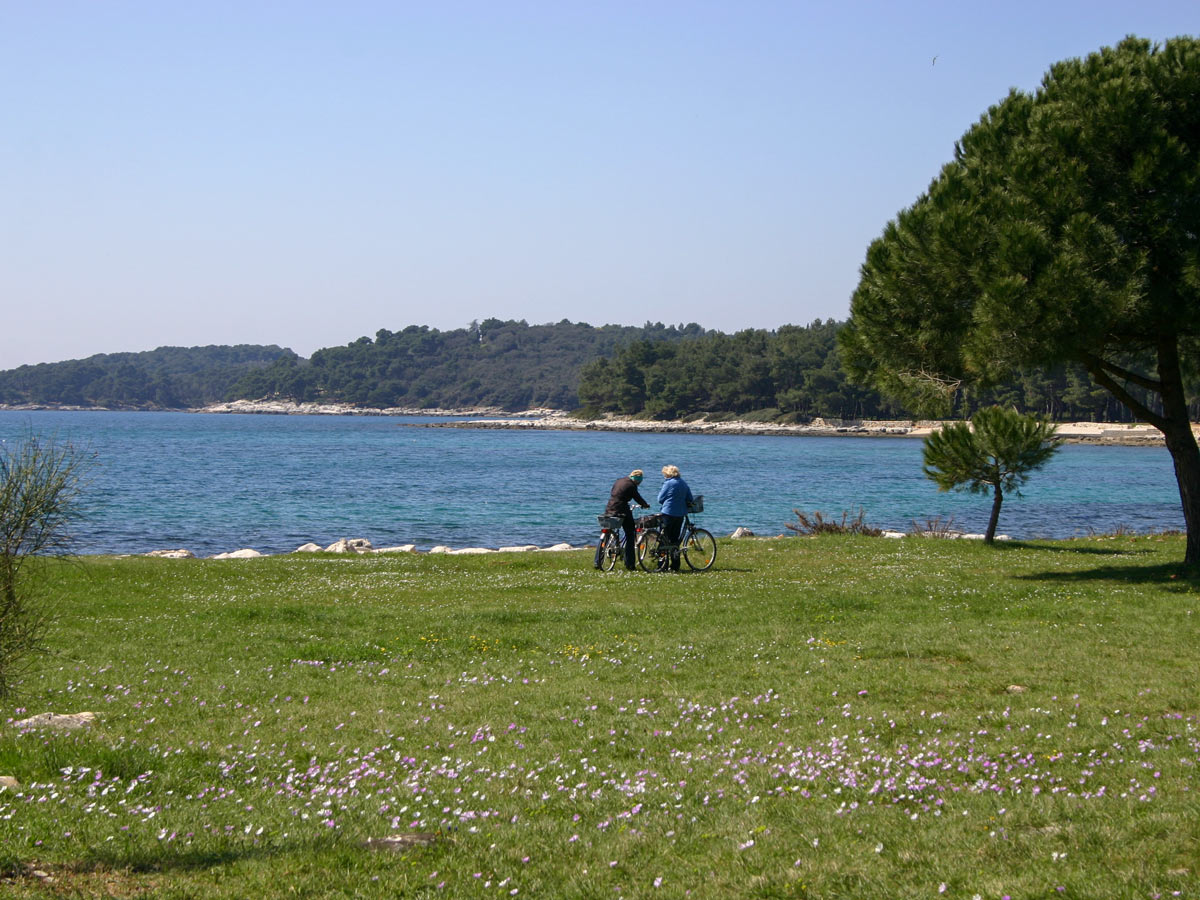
(696, 546)
(616, 548)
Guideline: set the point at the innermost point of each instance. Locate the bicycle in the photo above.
(611, 546)
(696, 545)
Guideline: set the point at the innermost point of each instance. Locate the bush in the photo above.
(770, 414)
(937, 527)
(818, 524)
(40, 487)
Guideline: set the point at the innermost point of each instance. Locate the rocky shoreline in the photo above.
(1071, 432)
(362, 546)
(1135, 434)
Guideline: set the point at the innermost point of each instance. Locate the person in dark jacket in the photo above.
(675, 497)
(624, 490)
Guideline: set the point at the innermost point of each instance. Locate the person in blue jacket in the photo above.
(674, 495)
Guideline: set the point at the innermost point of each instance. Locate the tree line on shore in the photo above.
(166, 378)
(793, 373)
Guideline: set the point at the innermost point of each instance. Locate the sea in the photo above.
(212, 483)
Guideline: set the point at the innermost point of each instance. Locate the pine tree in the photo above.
(996, 452)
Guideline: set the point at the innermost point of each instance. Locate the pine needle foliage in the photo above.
(995, 453)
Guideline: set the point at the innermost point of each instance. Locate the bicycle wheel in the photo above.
(649, 555)
(700, 550)
(610, 551)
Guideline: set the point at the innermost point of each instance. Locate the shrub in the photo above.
(937, 527)
(770, 414)
(40, 487)
(818, 524)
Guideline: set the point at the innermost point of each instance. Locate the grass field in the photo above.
(816, 717)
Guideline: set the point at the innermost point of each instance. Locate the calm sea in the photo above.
(212, 483)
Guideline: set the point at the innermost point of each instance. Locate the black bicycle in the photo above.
(611, 546)
(696, 545)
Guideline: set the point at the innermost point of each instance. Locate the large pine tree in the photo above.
(1066, 229)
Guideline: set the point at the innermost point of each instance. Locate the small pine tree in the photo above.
(997, 451)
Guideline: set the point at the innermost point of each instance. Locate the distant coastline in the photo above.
(1120, 434)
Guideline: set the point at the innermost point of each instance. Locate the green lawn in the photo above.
(815, 717)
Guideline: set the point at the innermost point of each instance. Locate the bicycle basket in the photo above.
(651, 521)
(612, 523)
(697, 504)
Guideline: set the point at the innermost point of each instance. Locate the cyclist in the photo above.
(624, 490)
(674, 495)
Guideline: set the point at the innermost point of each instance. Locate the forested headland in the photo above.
(791, 374)
(166, 378)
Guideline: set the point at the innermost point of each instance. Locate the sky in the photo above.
(304, 173)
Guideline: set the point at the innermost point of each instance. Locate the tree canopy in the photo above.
(1064, 231)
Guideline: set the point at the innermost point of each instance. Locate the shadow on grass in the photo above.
(1175, 575)
(160, 861)
(1062, 547)
(684, 570)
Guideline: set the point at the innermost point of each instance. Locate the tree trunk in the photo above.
(1181, 443)
(990, 535)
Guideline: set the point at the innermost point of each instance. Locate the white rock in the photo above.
(172, 554)
(350, 545)
(892, 534)
(470, 551)
(440, 548)
(246, 553)
(742, 533)
(65, 722)
(556, 548)
(310, 547)
(524, 548)
(403, 548)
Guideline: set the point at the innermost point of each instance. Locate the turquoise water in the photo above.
(213, 483)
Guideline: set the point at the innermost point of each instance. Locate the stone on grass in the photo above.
(556, 548)
(1015, 689)
(310, 547)
(401, 842)
(57, 722)
(742, 532)
(172, 554)
(440, 548)
(524, 548)
(245, 553)
(892, 534)
(403, 548)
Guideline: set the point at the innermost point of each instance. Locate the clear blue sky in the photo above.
(308, 173)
